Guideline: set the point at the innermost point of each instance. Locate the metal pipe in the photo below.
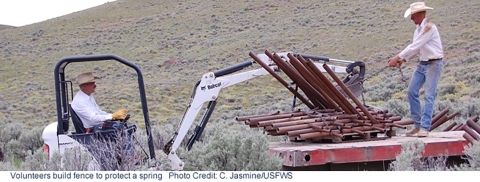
(279, 116)
(440, 121)
(449, 127)
(475, 119)
(458, 127)
(316, 99)
(291, 123)
(473, 125)
(469, 138)
(358, 131)
(313, 81)
(283, 82)
(314, 135)
(406, 122)
(270, 122)
(243, 118)
(349, 93)
(439, 115)
(471, 132)
(347, 116)
(331, 88)
(321, 83)
(396, 125)
(285, 129)
(298, 132)
(319, 128)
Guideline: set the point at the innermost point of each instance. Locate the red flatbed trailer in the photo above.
(365, 155)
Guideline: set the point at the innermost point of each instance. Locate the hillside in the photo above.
(175, 42)
(5, 27)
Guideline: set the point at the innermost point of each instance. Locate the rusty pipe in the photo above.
(475, 119)
(330, 88)
(449, 127)
(473, 125)
(347, 116)
(319, 128)
(359, 132)
(314, 135)
(440, 121)
(458, 127)
(298, 132)
(254, 121)
(243, 118)
(297, 122)
(343, 120)
(405, 122)
(281, 120)
(469, 138)
(395, 118)
(439, 115)
(313, 81)
(293, 74)
(379, 128)
(471, 132)
(396, 125)
(302, 63)
(283, 82)
(349, 93)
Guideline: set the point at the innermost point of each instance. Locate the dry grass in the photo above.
(175, 42)
(198, 37)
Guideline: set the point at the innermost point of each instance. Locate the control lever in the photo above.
(126, 118)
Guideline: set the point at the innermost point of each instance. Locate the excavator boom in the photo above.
(207, 89)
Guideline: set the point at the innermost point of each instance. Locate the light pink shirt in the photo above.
(426, 43)
(88, 111)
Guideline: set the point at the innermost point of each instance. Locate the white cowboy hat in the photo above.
(415, 8)
(86, 78)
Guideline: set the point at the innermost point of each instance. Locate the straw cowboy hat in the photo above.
(415, 8)
(86, 78)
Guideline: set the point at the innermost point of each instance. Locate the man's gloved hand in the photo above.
(120, 114)
(395, 62)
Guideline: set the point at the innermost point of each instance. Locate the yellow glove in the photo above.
(119, 115)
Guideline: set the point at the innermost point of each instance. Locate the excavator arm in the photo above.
(208, 89)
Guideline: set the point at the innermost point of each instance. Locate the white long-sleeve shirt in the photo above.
(88, 111)
(426, 43)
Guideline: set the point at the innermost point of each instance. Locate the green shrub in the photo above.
(398, 107)
(7, 166)
(410, 159)
(231, 147)
(14, 149)
(32, 140)
(11, 131)
(472, 152)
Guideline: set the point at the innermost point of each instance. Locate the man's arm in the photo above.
(414, 48)
(88, 116)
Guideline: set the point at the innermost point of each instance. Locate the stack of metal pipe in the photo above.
(324, 123)
(471, 128)
(335, 113)
(331, 113)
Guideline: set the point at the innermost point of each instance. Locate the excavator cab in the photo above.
(59, 136)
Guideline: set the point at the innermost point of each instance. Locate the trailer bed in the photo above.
(305, 154)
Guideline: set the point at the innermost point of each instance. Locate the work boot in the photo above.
(422, 133)
(413, 131)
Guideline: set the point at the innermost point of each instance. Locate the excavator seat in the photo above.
(77, 123)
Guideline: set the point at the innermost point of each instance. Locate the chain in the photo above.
(403, 79)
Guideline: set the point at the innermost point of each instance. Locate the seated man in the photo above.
(85, 106)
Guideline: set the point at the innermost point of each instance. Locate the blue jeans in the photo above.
(428, 74)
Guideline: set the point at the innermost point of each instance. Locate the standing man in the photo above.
(85, 106)
(428, 46)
